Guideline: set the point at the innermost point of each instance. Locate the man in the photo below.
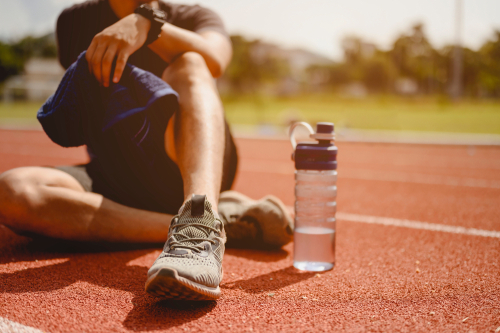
(187, 47)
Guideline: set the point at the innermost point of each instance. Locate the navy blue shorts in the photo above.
(160, 190)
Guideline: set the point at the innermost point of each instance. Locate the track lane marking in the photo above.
(417, 225)
(348, 217)
(392, 176)
(373, 175)
(9, 326)
(417, 178)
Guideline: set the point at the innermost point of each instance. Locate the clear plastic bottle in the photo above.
(315, 201)
(315, 207)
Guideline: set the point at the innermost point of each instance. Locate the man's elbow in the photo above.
(217, 63)
(216, 68)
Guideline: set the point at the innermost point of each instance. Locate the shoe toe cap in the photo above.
(197, 270)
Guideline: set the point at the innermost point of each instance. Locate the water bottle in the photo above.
(315, 198)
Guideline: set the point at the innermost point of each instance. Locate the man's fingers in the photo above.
(97, 60)
(121, 61)
(107, 62)
(90, 53)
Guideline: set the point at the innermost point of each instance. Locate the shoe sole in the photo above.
(166, 283)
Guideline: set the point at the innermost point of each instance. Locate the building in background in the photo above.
(40, 80)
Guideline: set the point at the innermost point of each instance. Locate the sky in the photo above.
(316, 25)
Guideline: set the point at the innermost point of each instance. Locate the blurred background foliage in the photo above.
(406, 87)
(411, 67)
(13, 55)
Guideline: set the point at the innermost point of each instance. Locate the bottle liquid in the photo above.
(315, 198)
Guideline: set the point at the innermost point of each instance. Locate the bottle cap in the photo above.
(324, 128)
(324, 132)
(318, 156)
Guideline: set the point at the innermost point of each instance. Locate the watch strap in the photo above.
(154, 31)
(157, 18)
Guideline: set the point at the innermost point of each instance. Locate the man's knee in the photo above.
(190, 59)
(18, 192)
(189, 68)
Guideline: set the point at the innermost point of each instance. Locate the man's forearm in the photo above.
(126, 36)
(212, 46)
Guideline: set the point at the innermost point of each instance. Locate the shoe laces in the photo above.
(189, 242)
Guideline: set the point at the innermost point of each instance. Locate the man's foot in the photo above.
(190, 266)
(265, 223)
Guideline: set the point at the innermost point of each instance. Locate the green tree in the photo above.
(414, 57)
(253, 65)
(378, 73)
(14, 55)
(489, 74)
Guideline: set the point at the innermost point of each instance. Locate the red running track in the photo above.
(387, 278)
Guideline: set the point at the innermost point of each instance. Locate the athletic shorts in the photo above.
(136, 195)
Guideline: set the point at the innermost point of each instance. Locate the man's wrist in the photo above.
(142, 22)
(156, 20)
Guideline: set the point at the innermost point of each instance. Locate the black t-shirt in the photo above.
(77, 26)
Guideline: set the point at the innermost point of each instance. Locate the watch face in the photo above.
(160, 14)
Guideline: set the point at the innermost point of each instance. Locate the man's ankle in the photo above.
(213, 202)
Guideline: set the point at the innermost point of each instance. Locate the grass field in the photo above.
(372, 113)
(382, 113)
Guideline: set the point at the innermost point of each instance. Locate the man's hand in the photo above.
(117, 41)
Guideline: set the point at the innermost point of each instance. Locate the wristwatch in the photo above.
(157, 18)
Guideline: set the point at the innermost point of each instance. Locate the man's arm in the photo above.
(126, 36)
(211, 45)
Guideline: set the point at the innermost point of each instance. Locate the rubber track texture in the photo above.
(386, 278)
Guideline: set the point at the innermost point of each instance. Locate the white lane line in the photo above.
(274, 167)
(411, 224)
(403, 177)
(9, 326)
(417, 225)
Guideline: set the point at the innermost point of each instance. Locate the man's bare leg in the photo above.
(195, 136)
(50, 202)
(190, 266)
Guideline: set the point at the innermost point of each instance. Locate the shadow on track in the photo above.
(104, 269)
(108, 266)
(148, 315)
(258, 255)
(270, 281)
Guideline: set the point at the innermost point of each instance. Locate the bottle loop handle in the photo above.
(294, 127)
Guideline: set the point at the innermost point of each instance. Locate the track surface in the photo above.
(386, 278)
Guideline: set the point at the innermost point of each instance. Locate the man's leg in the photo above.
(190, 266)
(50, 202)
(195, 137)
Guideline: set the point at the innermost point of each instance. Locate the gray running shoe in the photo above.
(190, 266)
(261, 224)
